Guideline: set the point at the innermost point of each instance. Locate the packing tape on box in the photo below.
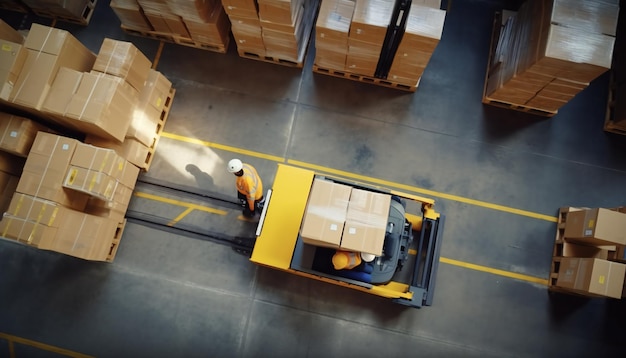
(19, 90)
(80, 230)
(95, 85)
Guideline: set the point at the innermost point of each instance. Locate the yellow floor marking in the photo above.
(157, 57)
(223, 147)
(179, 203)
(488, 269)
(14, 339)
(180, 217)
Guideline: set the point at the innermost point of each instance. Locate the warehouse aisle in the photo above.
(498, 176)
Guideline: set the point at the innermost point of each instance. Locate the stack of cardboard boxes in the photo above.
(424, 27)
(551, 50)
(274, 28)
(115, 97)
(331, 33)
(342, 217)
(131, 15)
(591, 256)
(246, 26)
(198, 21)
(71, 198)
(367, 34)
(350, 37)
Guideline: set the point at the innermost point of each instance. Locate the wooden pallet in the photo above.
(365, 79)
(116, 241)
(609, 124)
(177, 39)
(492, 64)
(87, 13)
(165, 113)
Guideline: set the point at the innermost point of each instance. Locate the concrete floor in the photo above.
(169, 295)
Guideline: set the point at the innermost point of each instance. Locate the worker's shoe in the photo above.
(248, 213)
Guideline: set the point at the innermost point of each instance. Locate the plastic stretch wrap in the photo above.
(551, 50)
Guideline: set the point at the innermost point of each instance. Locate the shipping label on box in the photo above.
(366, 222)
(325, 213)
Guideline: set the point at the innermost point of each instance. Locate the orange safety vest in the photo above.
(250, 185)
(346, 260)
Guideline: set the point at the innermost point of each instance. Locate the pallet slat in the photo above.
(160, 127)
(116, 241)
(176, 39)
(364, 79)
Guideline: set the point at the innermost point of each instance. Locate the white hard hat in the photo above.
(367, 257)
(234, 165)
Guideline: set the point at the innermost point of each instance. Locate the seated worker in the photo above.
(249, 186)
(353, 265)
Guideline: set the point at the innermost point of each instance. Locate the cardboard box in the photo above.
(12, 60)
(596, 227)
(214, 31)
(63, 89)
(27, 232)
(156, 91)
(592, 276)
(325, 213)
(131, 149)
(572, 249)
(333, 24)
(241, 8)
(103, 105)
(37, 210)
(279, 11)
(49, 186)
(85, 236)
(370, 20)
(115, 209)
(366, 222)
(105, 161)
(11, 163)
(91, 182)
(17, 134)
(131, 15)
(10, 34)
(124, 60)
(48, 49)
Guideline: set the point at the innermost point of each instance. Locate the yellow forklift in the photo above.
(405, 272)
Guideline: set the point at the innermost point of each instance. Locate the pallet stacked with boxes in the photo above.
(116, 101)
(589, 257)
(353, 41)
(548, 52)
(276, 31)
(195, 23)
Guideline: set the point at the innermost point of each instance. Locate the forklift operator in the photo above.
(249, 187)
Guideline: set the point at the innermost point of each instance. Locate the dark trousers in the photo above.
(244, 202)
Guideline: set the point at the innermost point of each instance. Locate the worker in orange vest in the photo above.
(346, 260)
(249, 187)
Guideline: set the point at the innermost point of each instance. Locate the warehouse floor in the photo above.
(497, 175)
